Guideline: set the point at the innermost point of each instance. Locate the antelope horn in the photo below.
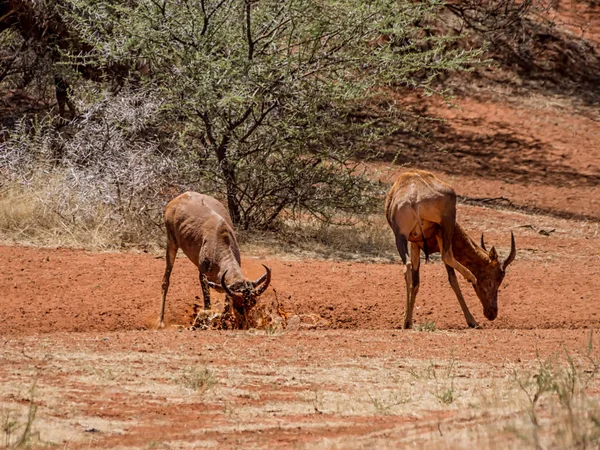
(226, 288)
(265, 285)
(513, 252)
(261, 279)
(483, 243)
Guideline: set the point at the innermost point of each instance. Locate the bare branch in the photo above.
(249, 41)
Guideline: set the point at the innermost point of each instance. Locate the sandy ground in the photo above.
(326, 389)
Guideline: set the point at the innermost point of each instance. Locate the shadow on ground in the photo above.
(504, 155)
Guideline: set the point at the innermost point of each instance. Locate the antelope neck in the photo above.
(467, 252)
(234, 271)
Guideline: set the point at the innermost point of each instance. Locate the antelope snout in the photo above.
(490, 313)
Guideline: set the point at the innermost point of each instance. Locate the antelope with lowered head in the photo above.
(201, 226)
(421, 209)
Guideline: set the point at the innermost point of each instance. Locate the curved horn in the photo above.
(261, 279)
(513, 252)
(483, 243)
(265, 285)
(225, 287)
(217, 287)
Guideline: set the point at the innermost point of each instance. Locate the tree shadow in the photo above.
(536, 54)
(496, 153)
(552, 61)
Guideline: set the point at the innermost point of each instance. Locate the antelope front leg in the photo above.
(205, 290)
(449, 260)
(456, 288)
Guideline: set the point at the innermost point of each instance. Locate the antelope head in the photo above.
(244, 294)
(490, 276)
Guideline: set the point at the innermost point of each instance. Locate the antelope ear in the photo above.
(493, 254)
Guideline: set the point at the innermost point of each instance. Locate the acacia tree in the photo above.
(268, 97)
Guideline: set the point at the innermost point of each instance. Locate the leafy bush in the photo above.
(269, 105)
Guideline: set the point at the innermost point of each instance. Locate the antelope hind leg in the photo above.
(415, 259)
(408, 277)
(412, 277)
(402, 246)
(170, 261)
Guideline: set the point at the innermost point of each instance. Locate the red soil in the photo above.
(48, 290)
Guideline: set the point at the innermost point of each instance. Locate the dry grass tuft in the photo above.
(367, 239)
(45, 213)
(198, 380)
(17, 432)
(561, 410)
(425, 326)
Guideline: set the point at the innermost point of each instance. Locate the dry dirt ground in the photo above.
(78, 346)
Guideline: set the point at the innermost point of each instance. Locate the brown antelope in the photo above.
(421, 210)
(201, 226)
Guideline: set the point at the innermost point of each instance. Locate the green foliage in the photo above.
(564, 388)
(270, 101)
(384, 406)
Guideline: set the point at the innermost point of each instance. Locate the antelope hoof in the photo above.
(160, 325)
(407, 325)
(474, 325)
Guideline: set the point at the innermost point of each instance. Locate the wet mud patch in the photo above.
(268, 315)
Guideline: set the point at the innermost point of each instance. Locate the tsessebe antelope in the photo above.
(201, 226)
(421, 210)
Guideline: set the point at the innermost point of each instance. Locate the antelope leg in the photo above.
(449, 260)
(170, 261)
(205, 290)
(411, 294)
(415, 258)
(456, 288)
(408, 277)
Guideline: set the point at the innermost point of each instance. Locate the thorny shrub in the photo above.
(105, 170)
